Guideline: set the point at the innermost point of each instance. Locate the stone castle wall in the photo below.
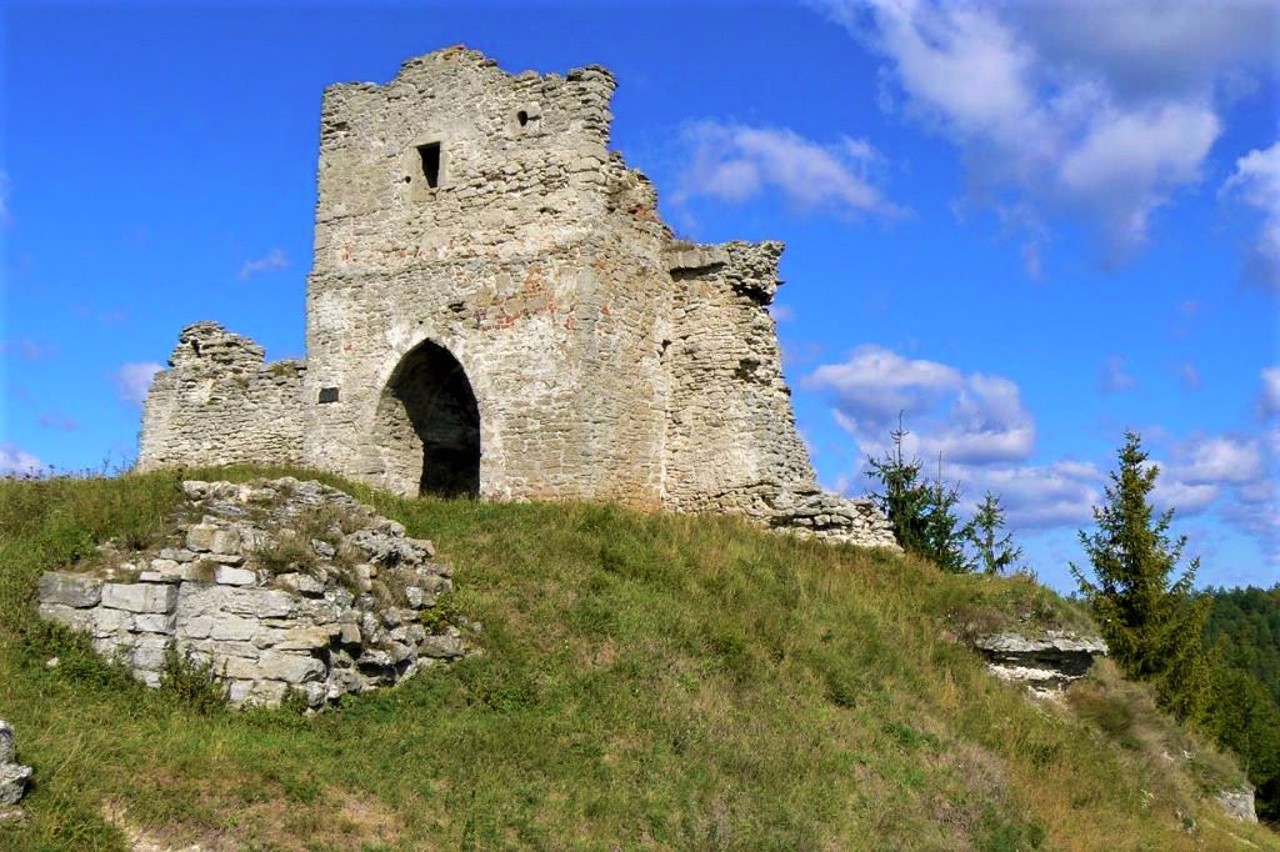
(219, 403)
(496, 308)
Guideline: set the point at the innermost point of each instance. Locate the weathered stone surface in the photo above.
(226, 575)
(264, 634)
(13, 782)
(14, 777)
(303, 584)
(487, 273)
(74, 590)
(1044, 662)
(1239, 804)
(138, 597)
(7, 751)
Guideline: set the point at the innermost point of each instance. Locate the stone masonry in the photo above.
(279, 585)
(496, 309)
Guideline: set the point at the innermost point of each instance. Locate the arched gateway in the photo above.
(427, 427)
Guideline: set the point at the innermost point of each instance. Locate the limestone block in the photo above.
(227, 575)
(226, 541)
(303, 584)
(7, 750)
(13, 782)
(442, 647)
(304, 639)
(232, 628)
(76, 619)
(73, 590)
(148, 652)
(349, 634)
(262, 603)
(200, 538)
(155, 622)
(176, 554)
(139, 597)
(275, 665)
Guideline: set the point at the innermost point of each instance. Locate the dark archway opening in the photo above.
(441, 409)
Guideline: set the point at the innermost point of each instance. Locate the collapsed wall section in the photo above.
(731, 441)
(219, 403)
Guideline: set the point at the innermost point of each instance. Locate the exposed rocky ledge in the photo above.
(14, 777)
(1044, 663)
(281, 585)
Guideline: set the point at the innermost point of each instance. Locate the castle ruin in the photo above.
(496, 309)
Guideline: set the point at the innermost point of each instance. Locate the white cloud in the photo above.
(1217, 459)
(1183, 497)
(968, 418)
(733, 162)
(1102, 113)
(133, 380)
(1040, 496)
(18, 462)
(1115, 379)
(1256, 182)
(274, 259)
(1269, 398)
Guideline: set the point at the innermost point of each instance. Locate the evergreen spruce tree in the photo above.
(920, 512)
(1152, 623)
(994, 555)
(905, 498)
(944, 536)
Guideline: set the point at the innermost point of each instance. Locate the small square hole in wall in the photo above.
(430, 156)
(328, 394)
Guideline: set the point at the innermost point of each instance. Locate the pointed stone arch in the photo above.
(427, 426)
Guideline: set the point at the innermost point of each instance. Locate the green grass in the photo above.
(645, 681)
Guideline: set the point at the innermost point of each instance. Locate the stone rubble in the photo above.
(280, 585)
(14, 777)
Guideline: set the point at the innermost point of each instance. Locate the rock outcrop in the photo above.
(1044, 663)
(274, 586)
(1239, 804)
(14, 777)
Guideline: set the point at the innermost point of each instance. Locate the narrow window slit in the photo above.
(430, 155)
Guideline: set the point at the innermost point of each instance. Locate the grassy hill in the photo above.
(646, 682)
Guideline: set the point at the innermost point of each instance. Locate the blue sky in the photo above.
(1028, 226)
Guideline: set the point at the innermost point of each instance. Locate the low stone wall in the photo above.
(830, 517)
(281, 585)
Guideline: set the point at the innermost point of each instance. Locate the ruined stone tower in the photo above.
(496, 309)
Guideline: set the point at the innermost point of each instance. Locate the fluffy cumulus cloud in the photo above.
(272, 260)
(17, 462)
(1103, 114)
(1256, 182)
(733, 162)
(970, 418)
(132, 381)
(1039, 496)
